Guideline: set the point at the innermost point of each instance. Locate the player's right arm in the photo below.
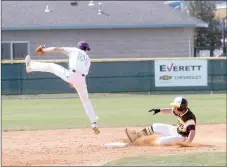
(161, 110)
(166, 110)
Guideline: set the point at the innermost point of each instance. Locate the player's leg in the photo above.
(164, 129)
(167, 140)
(81, 87)
(157, 128)
(133, 135)
(168, 133)
(46, 67)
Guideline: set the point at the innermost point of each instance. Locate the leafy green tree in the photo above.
(209, 38)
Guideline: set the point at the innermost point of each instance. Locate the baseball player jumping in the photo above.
(79, 64)
(183, 132)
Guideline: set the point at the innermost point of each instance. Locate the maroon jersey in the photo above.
(186, 122)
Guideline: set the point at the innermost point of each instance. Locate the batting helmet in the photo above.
(83, 45)
(180, 103)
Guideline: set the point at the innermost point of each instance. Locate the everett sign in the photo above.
(170, 73)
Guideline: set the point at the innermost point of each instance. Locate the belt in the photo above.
(75, 71)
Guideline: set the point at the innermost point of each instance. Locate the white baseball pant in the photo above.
(168, 133)
(76, 79)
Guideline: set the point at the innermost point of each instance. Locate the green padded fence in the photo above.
(106, 76)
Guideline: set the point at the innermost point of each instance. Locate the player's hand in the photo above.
(155, 110)
(40, 50)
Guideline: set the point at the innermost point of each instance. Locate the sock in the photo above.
(90, 111)
(146, 131)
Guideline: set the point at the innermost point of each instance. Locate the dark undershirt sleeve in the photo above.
(190, 127)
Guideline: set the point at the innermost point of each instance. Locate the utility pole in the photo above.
(224, 27)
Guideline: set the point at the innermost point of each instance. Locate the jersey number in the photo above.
(83, 58)
(180, 126)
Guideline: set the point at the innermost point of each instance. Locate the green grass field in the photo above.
(113, 110)
(117, 111)
(192, 159)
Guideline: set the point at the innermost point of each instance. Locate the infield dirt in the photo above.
(82, 147)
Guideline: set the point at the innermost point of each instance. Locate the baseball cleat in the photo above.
(27, 63)
(96, 130)
(131, 134)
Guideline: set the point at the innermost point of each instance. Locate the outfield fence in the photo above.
(123, 75)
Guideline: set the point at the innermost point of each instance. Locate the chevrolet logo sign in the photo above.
(165, 77)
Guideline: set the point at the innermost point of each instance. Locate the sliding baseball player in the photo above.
(79, 64)
(183, 132)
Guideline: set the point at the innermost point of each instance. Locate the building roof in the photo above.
(30, 15)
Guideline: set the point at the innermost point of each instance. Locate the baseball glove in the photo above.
(40, 50)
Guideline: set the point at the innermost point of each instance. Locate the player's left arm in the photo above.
(191, 136)
(63, 50)
(54, 50)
